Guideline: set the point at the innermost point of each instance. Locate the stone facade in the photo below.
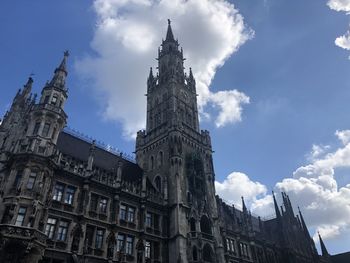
(66, 198)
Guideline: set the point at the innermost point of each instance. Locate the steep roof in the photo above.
(79, 148)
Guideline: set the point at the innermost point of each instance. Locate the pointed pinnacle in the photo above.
(169, 33)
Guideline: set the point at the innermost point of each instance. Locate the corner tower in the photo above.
(177, 158)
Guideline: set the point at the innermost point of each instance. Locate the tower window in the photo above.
(20, 216)
(31, 180)
(36, 128)
(18, 179)
(46, 129)
(54, 99)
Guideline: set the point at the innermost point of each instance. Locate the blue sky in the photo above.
(286, 62)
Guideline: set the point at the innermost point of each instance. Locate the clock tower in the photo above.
(177, 159)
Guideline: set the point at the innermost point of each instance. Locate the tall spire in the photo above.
(323, 247)
(277, 210)
(169, 33)
(60, 73)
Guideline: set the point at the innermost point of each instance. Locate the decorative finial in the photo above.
(169, 22)
(66, 53)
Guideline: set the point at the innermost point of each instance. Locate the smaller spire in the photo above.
(91, 155)
(323, 247)
(169, 33)
(244, 206)
(277, 211)
(191, 74)
(150, 73)
(306, 231)
(27, 87)
(63, 65)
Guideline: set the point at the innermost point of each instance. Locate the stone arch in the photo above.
(208, 254)
(205, 225)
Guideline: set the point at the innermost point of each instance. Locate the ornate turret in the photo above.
(31, 131)
(60, 74)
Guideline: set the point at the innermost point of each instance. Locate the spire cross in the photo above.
(169, 22)
(66, 53)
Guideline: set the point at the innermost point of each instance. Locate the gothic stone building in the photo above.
(66, 198)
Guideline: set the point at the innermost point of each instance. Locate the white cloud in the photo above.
(343, 41)
(313, 187)
(230, 103)
(237, 185)
(317, 151)
(326, 232)
(344, 136)
(126, 38)
(339, 5)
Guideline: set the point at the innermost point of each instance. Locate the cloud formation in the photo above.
(126, 37)
(237, 185)
(341, 6)
(313, 187)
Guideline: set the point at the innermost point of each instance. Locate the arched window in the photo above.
(194, 253)
(207, 253)
(158, 183)
(205, 225)
(192, 224)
